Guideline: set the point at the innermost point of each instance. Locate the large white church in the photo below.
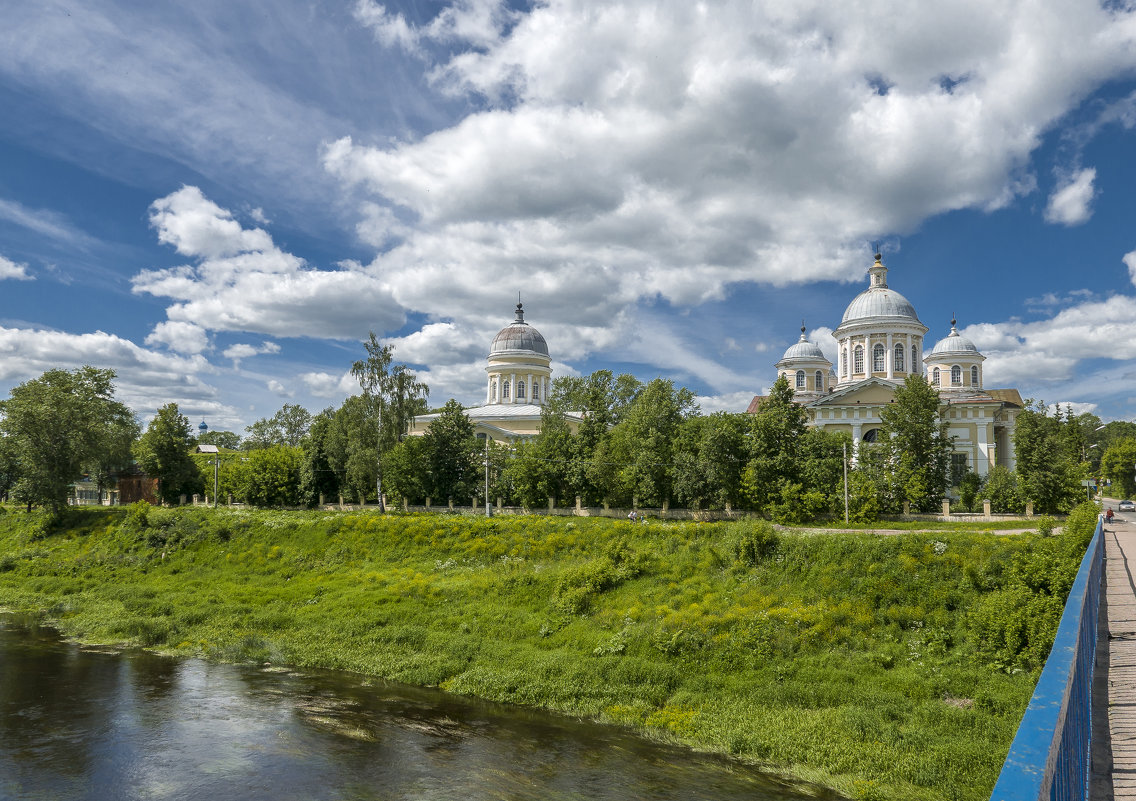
(879, 342)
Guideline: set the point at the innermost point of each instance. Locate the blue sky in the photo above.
(220, 200)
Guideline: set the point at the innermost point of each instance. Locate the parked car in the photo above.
(1126, 506)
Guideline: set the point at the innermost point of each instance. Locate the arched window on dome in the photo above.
(956, 376)
(536, 391)
(914, 359)
(858, 359)
(935, 377)
(843, 362)
(493, 389)
(974, 375)
(505, 389)
(878, 358)
(520, 389)
(800, 379)
(818, 381)
(899, 357)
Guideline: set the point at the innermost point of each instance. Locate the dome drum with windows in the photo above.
(519, 368)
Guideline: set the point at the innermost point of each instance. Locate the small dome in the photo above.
(803, 349)
(954, 343)
(519, 335)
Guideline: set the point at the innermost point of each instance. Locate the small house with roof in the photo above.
(879, 342)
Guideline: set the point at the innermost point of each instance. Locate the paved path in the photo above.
(1115, 758)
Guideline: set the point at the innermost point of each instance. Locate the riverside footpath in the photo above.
(1114, 690)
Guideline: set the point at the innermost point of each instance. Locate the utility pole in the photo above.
(216, 462)
(844, 448)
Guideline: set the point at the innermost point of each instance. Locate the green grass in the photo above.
(886, 667)
(929, 525)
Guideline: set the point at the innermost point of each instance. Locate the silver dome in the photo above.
(879, 302)
(954, 343)
(803, 349)
(519, 335)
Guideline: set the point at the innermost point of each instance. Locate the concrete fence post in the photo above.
(986, 507)
(946, 508)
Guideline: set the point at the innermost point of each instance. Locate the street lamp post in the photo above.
(844, 448)
(488, 508)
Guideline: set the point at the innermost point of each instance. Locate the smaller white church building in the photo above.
(518, 380)
(879, 342)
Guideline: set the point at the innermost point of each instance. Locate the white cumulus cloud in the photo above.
(179, 337)
(619, 154)
(241, 281)
(1071, 202)
(243, 351)
(10, 269)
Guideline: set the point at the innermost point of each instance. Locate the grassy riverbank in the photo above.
(886, 667)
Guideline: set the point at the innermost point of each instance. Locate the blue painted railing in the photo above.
(1049, 758)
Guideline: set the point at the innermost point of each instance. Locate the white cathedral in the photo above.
(517, 385)
(879, 342)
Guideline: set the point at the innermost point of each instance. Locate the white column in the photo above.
(982, 466)
(529, 389)
(889, 358)
(855, 443)
(489, 390)
(513, 394)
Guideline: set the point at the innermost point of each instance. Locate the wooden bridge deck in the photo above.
(1114, 719)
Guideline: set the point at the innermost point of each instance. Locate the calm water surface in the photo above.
(77, 723)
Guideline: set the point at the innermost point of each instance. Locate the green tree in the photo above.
(451, 451)
(643, 441)
(969, 487)
(271, 477)
(1048, 459)
(57, 424)
(709, 457)
(1119, 465)
(406, 470)
(821, 467)
(604, 396)
(1001, 488)
(918, 445)
(317, 476)
(222, 439)
(164, 453)
(775, 435)
(392, 397)
(351, 445)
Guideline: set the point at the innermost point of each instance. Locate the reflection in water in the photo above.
(80, 724)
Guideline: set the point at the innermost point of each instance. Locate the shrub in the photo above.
(756, 543)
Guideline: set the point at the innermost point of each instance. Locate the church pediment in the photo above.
(869, 391)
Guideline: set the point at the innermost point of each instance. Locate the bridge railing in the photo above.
(1049, 758)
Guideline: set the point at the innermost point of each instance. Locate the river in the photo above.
(81, 723)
